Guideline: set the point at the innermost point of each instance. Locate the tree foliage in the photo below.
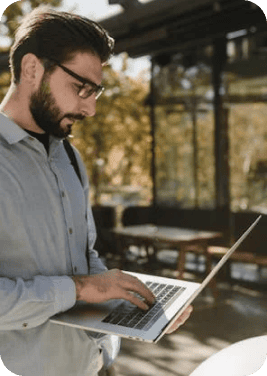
(17, 10)
(9, 23)
(116, 142)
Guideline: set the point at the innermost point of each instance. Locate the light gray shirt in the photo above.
(43, 235)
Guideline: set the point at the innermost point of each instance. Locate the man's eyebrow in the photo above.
(75, 75)
(87, 81)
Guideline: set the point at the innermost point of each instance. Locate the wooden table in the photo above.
(156, 236)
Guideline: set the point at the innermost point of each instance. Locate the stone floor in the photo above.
(238, 313)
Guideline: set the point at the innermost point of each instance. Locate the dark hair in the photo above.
(50, 34)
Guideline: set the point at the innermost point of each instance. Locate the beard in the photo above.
(47, 114)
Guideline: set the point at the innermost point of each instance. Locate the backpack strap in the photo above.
(72, 157)
(73, 161)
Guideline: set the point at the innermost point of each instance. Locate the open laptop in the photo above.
(122, 318)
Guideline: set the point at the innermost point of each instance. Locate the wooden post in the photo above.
(153, 133)
(221, 135)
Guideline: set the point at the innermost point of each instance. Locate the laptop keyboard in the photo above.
(130, 316)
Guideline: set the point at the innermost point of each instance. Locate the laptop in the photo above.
(121, 318)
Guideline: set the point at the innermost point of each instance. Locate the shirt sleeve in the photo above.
(27, 304)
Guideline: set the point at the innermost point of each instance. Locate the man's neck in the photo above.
(16, 107)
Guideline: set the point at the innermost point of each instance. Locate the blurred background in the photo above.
(179, 140)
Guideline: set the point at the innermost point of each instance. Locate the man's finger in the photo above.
(181, 319)
(136, 301)
(135, 285)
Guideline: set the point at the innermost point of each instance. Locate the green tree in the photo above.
(17, 10)
(116, 142)
(9, 23)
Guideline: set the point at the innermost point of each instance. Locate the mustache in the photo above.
(74, 117)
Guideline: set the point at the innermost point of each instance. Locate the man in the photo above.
(47, 232)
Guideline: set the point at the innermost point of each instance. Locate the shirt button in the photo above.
(25, 325)
(70, 231)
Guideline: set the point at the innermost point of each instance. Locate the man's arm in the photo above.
(26, 304)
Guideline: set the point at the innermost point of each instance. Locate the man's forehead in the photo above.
(80, 57)
(87, 64)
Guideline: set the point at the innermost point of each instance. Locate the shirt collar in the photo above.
(11, 132)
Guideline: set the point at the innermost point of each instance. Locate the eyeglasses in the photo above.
(88, 87)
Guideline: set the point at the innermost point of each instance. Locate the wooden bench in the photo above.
(217, 252)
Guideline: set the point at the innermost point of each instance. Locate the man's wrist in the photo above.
(79, 283)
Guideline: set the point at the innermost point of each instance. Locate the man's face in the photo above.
(56, 105)
(48, 115)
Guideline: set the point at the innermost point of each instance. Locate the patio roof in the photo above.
(161, 26)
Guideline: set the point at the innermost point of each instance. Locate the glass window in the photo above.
(184, 154)
(184, 125)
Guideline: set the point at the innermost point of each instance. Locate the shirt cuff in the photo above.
(65, 293)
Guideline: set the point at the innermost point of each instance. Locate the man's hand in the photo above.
(181, 320)
(113, 284)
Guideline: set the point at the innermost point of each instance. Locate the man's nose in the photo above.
(88, 106)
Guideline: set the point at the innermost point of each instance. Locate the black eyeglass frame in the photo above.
(97, 89)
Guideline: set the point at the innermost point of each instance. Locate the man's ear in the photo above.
(31, 69)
